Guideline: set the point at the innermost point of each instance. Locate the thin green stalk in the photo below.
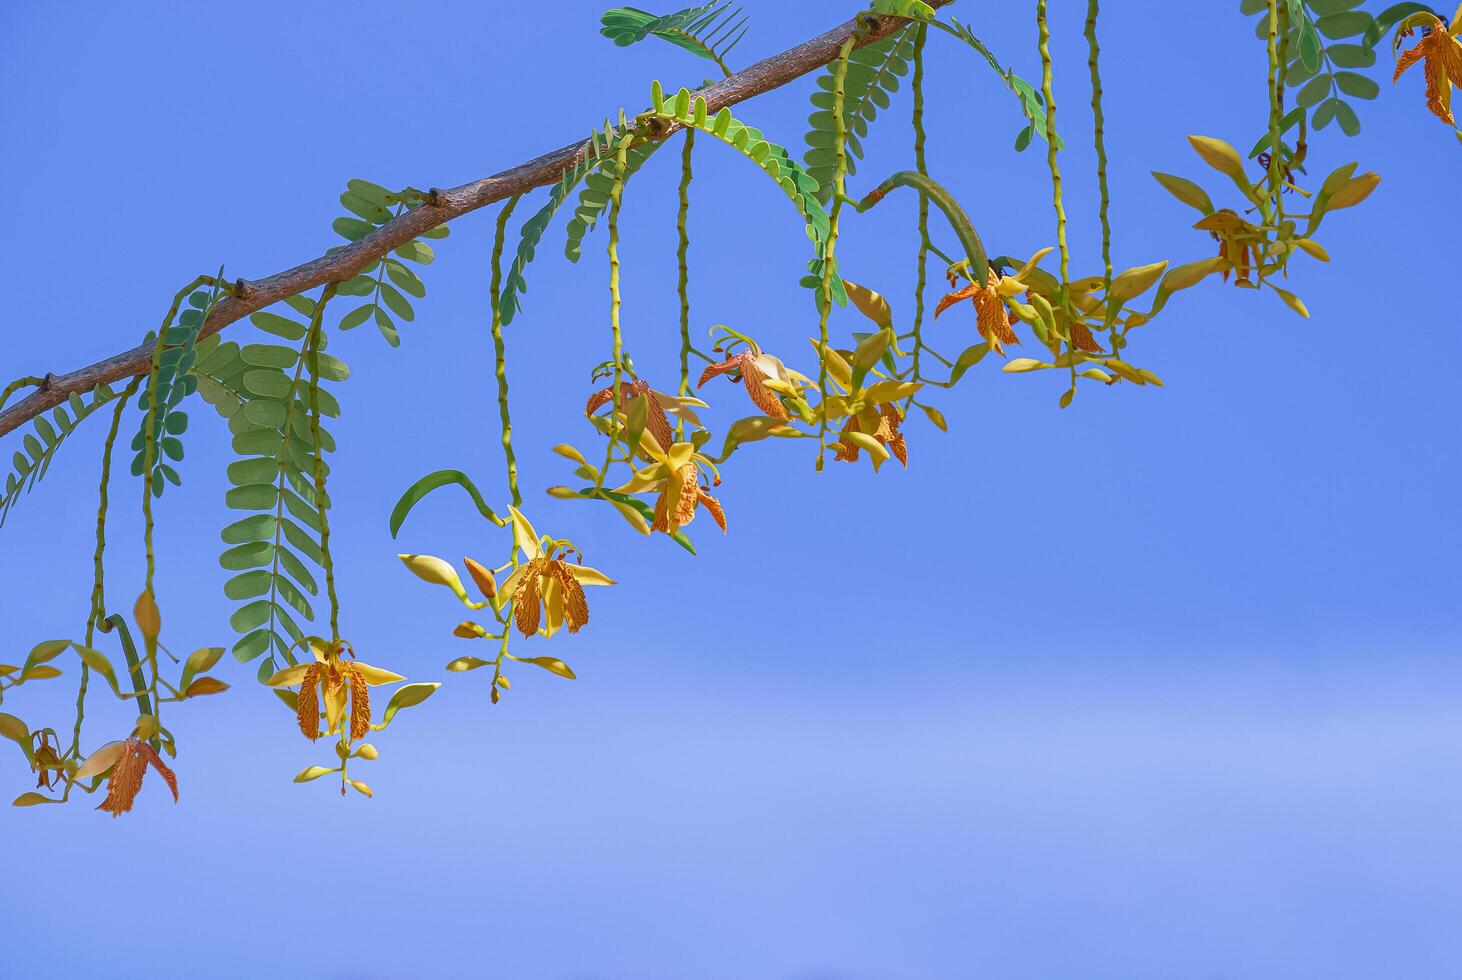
(29, 381)
(1043, 31)
(683, 272)
(840, 174)
(616, 195)
(499, 351)
(1276, 83)
(313, 346)
(922, 167)
(1099, 138)
(98, 594)
(149, 448)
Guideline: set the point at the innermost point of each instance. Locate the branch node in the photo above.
(242, 288)
(436, 198)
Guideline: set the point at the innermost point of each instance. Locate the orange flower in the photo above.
(993, 320)
(1441, 54)
(1237, 254)
(128, 762)
(680, 493)
(882, 427)
(754, 368)
(47, 764)
(656, 422)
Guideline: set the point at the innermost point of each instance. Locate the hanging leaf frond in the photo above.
(709, 31)
(872, 75)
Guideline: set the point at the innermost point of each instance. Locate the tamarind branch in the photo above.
(445, 205)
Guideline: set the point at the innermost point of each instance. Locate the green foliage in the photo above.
(389, 281)
(175, 382)
(773, 159)
(709, 31)
(594, 198)
(1031, 103)
(515, 284)
(258, 389)
(1325, 41)
(873, 74)
(41, 442)
(435, 481)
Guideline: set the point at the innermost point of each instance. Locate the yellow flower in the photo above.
(545, 588)
(675, 475)
(1441, 55)
(329, 676)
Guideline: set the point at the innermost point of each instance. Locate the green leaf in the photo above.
(551, 664)
(257, 496)
(406, 696)
(1351, 55)
(98, 662)
(1343, 25)
(434, 481)
(1357, 85)
(253, 554)
(268, 355)
(1315, 90)
(356, 317)
(416, 251)
(280, 326)
(1186, 191)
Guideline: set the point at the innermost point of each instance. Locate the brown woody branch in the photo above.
(443, 206)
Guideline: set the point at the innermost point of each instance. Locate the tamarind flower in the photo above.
(676, 476)
(1441, 55)
(328, 678)
(1237, 242)
(878, 426)
(128, 761)
(755, 369)
(656, 422)
(992, 319)
(46, 762)
(545, 588)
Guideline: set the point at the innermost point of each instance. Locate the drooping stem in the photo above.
(825, 292)
(1043, 32)
(98, 594)
(149, 429)
(1099, 138)
(959, 222)
(313, 344)
(29, 381)
(682, 281)
(616, 196)
(922, 167)
(1276, 111)
(499, 351)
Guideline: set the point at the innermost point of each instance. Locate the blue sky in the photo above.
(1160, 685)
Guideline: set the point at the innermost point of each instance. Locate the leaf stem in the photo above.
(825, 287)
(312, 345)
(616, 196)
(500, 351)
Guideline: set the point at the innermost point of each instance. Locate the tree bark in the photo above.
(446, 205)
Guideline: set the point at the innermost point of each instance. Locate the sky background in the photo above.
(1163, 685)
